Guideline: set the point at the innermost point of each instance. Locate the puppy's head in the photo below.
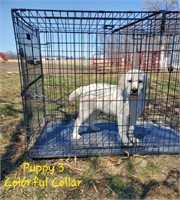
(133, 82)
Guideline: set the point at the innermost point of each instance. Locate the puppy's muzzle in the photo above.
(134, 91)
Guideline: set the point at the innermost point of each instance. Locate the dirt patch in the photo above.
(9, 66)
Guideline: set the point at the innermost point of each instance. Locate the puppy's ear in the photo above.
(122, 85)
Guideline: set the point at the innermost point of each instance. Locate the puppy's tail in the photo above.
(76, 93)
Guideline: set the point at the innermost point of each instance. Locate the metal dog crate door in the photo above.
(62, 50)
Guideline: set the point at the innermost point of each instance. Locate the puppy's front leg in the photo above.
(123, 128)
(91, 122)
(133, 139)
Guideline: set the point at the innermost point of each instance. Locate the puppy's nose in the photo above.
(134, 90)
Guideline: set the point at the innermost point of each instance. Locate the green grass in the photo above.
(153, 168)
(118, 186)
(8, 110)
(164, 83)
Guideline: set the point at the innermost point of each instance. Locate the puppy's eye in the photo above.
(140, 81)
(129, 81)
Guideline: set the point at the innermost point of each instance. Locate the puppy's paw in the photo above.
(134, 140)
(95, 129)
(76, 137)
(126, 142)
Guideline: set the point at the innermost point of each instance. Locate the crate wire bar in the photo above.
(62, 50)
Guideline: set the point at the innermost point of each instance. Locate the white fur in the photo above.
(125, 100)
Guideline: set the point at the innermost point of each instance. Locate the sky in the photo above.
(7, 42)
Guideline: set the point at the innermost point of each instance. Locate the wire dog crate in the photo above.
(62, 50)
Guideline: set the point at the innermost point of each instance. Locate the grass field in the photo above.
(120, 177)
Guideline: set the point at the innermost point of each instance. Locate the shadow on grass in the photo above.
(124, 187)
(14, 154)
(131, 187)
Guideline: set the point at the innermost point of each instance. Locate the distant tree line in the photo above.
(10, 55)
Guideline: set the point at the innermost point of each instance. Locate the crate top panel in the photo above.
(95, 22)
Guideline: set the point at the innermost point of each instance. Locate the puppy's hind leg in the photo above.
(84, 115)
(91, 122)
(77, 124)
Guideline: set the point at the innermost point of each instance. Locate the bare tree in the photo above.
(156, 5)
